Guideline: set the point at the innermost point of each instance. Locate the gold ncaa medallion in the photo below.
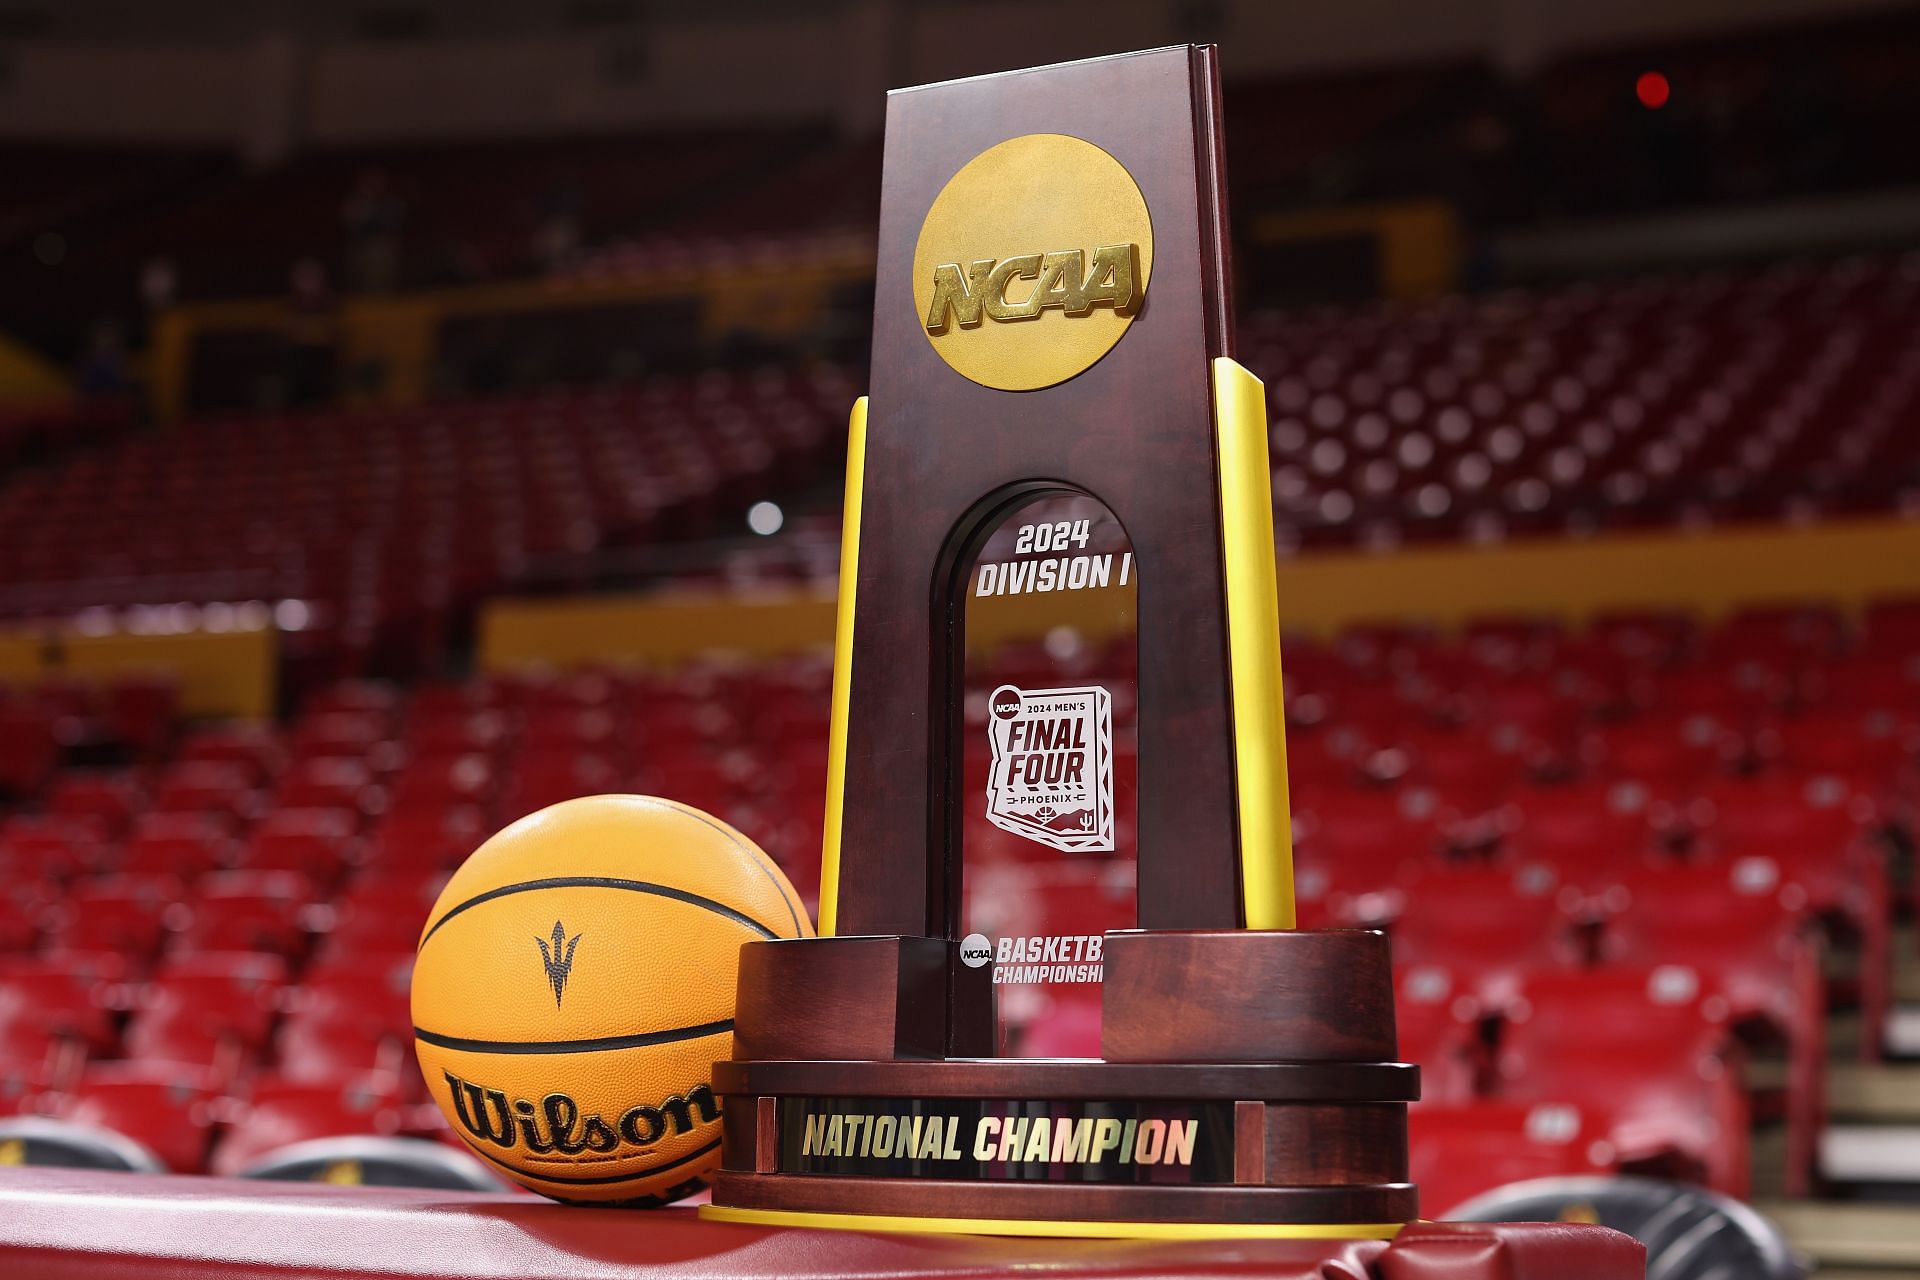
(1032, 262)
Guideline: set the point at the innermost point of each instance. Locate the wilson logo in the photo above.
(557, 1123)
(1063, 281)
(558, 959)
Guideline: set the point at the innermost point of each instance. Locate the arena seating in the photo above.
(210, 943)
(51, 431)
(463, 212)
(679, 253)
(1705, 398)
(385, 524)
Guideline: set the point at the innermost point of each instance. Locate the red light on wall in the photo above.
(1652, 89)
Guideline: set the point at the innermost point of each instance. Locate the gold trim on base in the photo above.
(1253, 647)
(842, 670)
(1082, 1230)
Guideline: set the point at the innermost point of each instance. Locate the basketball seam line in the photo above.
(599, 882)
(639, 1040)
(793, 912)
(636, 1176)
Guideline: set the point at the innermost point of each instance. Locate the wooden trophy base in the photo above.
(1246, 1087)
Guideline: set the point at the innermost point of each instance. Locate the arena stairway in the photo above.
(1868, 1226)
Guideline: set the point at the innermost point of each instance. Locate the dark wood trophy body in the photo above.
(1052, 321)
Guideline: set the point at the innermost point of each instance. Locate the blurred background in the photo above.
(413, 413)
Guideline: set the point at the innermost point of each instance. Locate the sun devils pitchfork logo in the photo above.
(558, 959)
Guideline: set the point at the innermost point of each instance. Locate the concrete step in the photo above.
(1903, 1031)
(1863, 1091)
(1861, 1153)
(1855, 1090)
(1900, 1037)
(1767, 1163)
(1851, 1234)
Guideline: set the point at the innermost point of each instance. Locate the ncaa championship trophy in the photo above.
(1053, 337)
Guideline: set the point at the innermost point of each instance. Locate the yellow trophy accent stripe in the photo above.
(1253, 647)
(1052, 1227)
(842, 669)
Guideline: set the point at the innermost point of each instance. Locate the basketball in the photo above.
(575, 984)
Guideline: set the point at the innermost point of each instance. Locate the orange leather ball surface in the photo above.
(575, 984)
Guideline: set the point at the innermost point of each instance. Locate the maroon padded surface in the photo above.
(58, 1223)
(1512, 1251)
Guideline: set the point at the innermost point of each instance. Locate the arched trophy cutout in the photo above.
(1044, 764)
(1052, 325)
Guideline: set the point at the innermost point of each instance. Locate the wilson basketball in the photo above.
(575, 984)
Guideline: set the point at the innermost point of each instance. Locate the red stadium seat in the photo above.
(706, 780)
(1651, 1045)
(169, 1111)
(371, 696)
(1462, 1149)
(568, 728)
(23, 909)
(111, 796)
(1873, 681)
(1491, 926)
(1650, 639)
(1817, 835)
(461, 734)
(318, 843)
(678, 722)
(182, 844)
(1029, 900)
(1438, 1023)
(1748, 935)
(101, 971)
(129, 913)
(339, 734)
(256, 747)
(433, 783)
(236, 974)
(425, 841)
(337, 1050)
(361, 991)
(1463, 765)
(379, 924)
(42, 1002)
(1788, 633)
(1873, 753)
(207, 786)
(264, 911)
(277, 1114)
(1582, 828)
(1353, 848)
(212, 1012)
(329, 782)
(536, 782)
(1893, 626)
(53, 846)
(1665, 750)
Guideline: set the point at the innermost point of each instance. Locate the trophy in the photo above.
(1057, 431)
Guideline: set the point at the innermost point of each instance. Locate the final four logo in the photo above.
(1052, 774)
